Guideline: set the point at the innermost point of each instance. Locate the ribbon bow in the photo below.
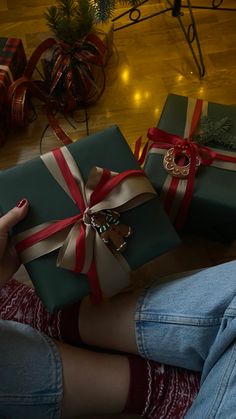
(181, 161)
(70, 72)
(180, 149)
(81, 248)
(63, 96)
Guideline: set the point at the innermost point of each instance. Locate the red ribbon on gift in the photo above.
(159, 139)
(85, 53)
(81, 248)
(20, 91)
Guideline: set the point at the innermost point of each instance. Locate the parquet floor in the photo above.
(152, 60)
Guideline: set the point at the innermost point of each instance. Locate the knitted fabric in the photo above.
(156, 391)
(171, 391)
(19, 302)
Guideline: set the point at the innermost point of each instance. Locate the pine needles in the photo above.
(104, 9)
(70, 20)
(216, 133)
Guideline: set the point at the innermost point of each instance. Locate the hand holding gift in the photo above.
(54, 205)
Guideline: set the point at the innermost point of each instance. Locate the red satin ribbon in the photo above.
(87, 51)
(19, 92)
(103, 188)
(164, 140)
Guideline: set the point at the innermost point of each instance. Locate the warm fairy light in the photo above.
(180, 77)
(125, 75)
(201, 89)
(156, 111)
(137, 96)
(140, 97)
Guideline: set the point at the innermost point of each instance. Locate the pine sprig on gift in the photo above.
(70, 20)
(216, 133)
(104, 9)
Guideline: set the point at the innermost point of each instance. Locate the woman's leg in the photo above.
(41, 377)
(93, 382)
(216, 398)
(174, 323)
(31, 373)
(96, 383)
(110, 324)
(45, 379)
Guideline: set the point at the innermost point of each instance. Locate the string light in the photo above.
(125, 75)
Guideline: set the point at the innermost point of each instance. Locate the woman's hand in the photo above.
(9, 261)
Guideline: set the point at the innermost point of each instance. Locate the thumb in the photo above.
(12, 217)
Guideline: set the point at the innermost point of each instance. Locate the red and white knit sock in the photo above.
(20, 303)
(156, 391)
(159, 391)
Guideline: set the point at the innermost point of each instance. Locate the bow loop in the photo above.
(83, 238)
(181, 161)
(69, 81)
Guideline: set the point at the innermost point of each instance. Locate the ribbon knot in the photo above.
(181, 159)
(82, 248)
(184, 144)
(186, 147)
(87, 216)
(66, 49)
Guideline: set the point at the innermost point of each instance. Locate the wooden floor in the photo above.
(152, 60)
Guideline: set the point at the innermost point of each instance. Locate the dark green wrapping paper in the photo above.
(153, 233)
(212, 210)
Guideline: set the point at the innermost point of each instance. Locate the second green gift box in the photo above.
(204, 131)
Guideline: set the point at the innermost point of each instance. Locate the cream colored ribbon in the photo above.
(112, 269)
(182, 183)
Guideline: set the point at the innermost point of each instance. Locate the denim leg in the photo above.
(31, 374)
(217, 395)
(177, 322)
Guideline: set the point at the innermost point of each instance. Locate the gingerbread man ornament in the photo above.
(110, 230)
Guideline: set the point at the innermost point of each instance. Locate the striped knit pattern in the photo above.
(20, 303)
(171, 391)
(168, 392)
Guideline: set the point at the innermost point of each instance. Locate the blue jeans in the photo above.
(190, 322)
(31, 374)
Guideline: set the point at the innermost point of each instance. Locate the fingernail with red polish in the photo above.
(21, 203)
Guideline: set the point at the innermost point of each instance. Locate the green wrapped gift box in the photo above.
(153, 234)
(212, 210)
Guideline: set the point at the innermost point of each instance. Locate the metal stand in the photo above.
(190, 32)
